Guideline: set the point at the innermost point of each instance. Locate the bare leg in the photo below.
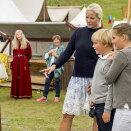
(66, 122)
(95, 128)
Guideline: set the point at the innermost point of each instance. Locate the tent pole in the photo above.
(44, 10)
(129, 11)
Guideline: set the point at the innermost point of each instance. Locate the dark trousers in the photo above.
(99, 109)
(47, 85)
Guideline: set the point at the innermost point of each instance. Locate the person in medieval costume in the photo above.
(21, 81)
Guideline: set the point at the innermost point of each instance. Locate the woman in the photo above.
(52, 54)
(85, 61)
(21, 82)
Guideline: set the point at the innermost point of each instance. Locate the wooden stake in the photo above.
(129, 11)
(0, 119)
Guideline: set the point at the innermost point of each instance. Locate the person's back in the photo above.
(100, 90)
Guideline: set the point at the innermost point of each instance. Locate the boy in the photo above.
(101, 92)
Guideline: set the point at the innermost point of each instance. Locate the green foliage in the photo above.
(30, 115)
(112, 7)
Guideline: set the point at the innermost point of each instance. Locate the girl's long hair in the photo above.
(23, 41)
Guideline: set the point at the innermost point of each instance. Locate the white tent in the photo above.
(57, 14)
(118, 22)
(62, 13)
(29, 8)
(10, 13)
(79, 20)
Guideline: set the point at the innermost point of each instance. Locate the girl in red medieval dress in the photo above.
(21, 81)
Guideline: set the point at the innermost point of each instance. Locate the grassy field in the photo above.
(112, 7)
(30, 115)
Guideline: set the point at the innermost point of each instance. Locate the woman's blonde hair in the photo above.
(23, 40)
(96, 9)
(104, 36)
(123, 28)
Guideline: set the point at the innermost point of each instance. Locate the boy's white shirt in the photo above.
(104, 57)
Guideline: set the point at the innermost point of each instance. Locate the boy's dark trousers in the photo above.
(99, 109)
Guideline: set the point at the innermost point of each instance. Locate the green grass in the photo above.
(30, 115)
(112, 7)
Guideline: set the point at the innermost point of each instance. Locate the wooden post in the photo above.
(44, 10)
(0, 119)
(129, 11)
(10, 47)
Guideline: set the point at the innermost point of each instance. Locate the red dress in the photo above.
(21, 81)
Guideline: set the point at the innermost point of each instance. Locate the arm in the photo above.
(113, 68)
(65, 56)
(29, 51)
(55, 55)
(89, 89)
(48, 53)
(91, 97)
(46, 56)
(108, 105)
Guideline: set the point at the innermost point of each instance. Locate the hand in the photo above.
(91, 103)
(51, 51)
(111, 56)
(89, 88)
(48, 71)
(106, 117)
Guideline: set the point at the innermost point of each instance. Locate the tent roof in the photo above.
(29, 8)
(22, 11)
(10, 13)
(79, 20)
(33, 10)
(118, 22)
(38, 29)
(60, 13)
(57, 14)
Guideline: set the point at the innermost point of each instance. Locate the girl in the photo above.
(118, 72)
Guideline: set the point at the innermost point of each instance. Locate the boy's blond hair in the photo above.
(103, 36)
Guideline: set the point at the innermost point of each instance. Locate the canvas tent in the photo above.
(10, 13)
(34, 30)
(22, 11)
(118, 22)
(30, 15)
(79, 20)
(29, 8)
(62, 13)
